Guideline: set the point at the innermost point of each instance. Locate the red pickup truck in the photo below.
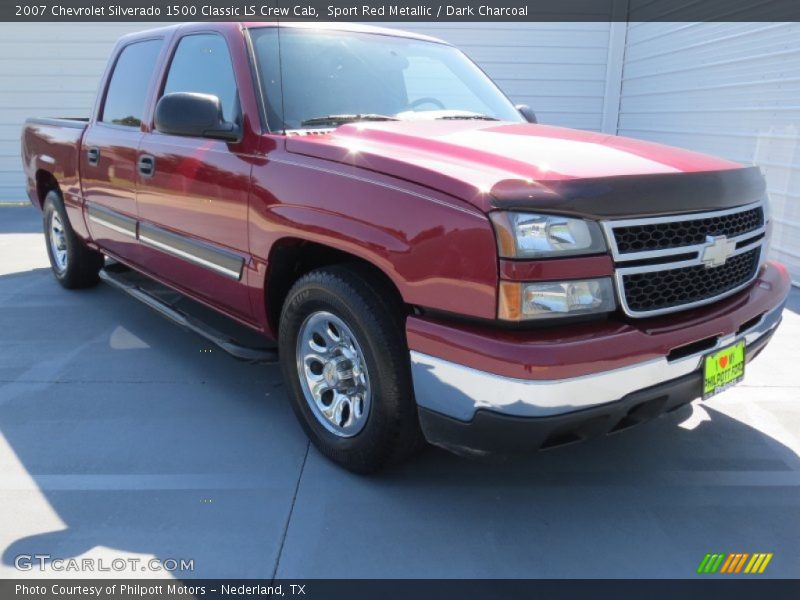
(424, 260)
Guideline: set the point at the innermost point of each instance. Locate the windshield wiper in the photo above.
(342, 119)
(475, 117)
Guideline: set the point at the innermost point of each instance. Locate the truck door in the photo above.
(109, 150)
(192, 192)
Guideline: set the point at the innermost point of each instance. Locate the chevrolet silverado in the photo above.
(425, 261)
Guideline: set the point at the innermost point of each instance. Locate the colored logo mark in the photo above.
(734, 563)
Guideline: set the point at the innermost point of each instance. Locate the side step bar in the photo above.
(116, 275)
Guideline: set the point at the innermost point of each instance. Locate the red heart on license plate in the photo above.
(723, 361)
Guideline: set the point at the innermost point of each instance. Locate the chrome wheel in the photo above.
(58, 242)
(333, 374)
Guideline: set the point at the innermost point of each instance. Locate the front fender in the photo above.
(439, 252)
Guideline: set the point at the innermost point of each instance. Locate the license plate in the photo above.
(723, 369)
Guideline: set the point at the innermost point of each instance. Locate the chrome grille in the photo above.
(667, 264)
(658, 236)
(654, 290)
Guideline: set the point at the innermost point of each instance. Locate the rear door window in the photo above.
(127, 90)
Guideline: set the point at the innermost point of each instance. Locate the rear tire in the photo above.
(345, 361)
(74, 264)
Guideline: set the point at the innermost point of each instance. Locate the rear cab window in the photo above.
(127, 90)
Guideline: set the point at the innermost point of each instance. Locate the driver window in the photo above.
(202, 64)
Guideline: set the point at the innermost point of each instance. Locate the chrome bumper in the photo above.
(458, 391)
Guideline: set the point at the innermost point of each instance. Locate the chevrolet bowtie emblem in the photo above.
(717, 250)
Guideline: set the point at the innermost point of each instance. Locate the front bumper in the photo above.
(493, 432)
(470, 410)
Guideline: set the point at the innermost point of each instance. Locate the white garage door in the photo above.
(50, 70)
(729, 89)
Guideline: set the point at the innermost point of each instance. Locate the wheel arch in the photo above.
(291, 258)
(45, 183)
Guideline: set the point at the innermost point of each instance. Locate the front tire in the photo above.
(74, 264)
(345, 362)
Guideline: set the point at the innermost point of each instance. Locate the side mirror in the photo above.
(527, 112)
(194, 115)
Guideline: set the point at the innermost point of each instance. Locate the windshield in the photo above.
(333, 77)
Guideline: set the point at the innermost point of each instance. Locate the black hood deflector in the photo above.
(634, 195)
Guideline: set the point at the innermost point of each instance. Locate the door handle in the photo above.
(147, 165)
(93, 155)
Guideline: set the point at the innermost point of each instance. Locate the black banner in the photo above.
(416, 589)
(412, 10)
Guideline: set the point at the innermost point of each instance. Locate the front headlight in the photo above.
(530, 235)
(546, 299)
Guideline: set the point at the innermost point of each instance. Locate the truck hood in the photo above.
(525, 166)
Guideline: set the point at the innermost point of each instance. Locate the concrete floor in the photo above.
(121, 436)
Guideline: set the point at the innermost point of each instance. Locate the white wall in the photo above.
(47, 69)
(728, 89)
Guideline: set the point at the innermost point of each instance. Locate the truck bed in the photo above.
(71, 122)
(52, 146)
